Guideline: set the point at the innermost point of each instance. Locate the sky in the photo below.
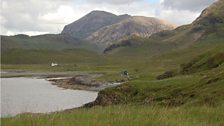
(34, 17)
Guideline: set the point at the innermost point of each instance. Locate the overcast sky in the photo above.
(35, 17)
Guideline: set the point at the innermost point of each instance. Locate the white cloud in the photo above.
(116, 2)
(26, 16)
(49, 16)
(181, 17)
(190, 5)
(63, 14)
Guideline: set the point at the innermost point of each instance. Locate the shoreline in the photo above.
(43, 74)
(66, 80)
(84, 82)
(76, 80)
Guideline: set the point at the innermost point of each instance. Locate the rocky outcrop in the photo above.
(217, 8)
(85, 82)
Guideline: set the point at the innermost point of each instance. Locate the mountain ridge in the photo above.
(207, 27)
(104, 28)
(134, 26)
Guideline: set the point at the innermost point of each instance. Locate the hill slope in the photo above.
(208, 26)
(48, 41)
(133, 26)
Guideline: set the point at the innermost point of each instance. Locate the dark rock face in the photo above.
(114, 46)
(202, 63)
(166, 75)
(84, 80)
(213, 80)
(198, 64)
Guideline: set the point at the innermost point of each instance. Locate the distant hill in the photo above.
(96, 31)
(47, 41)
(209, 25)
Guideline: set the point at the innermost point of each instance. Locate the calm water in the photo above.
(20, 95)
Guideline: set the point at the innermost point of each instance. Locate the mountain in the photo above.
(96, 31)
(211, 22)
(133, 26)
(104, 28)
(91, 23)
(212, 14)
(208, 26)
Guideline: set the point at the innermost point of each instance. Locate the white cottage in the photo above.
(54, 64)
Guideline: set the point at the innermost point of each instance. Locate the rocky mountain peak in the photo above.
(90, 23)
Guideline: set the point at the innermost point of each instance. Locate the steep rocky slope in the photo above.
(133, 26)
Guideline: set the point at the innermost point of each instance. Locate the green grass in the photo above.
(23, 56)
(184, 90)
(125, 115)
(47, 42)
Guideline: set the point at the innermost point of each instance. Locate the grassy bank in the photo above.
(125, 115)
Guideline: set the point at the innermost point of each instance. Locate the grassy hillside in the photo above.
(125, 115)
(40, 59)
(192, 88)
(48, 41)
(24, 56)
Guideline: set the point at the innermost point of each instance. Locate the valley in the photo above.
(176, 76)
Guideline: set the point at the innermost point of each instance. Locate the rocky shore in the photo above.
(84, 82)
